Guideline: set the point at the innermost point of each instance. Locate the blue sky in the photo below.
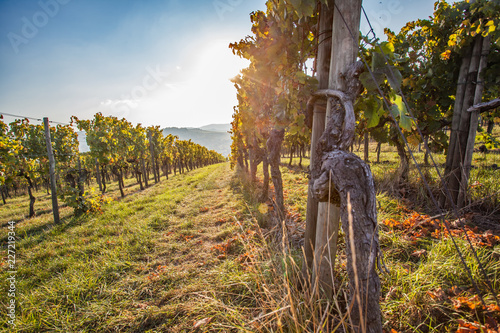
(157, 62)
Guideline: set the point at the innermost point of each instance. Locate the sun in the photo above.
(216, 60)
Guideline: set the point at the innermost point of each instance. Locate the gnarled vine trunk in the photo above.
(353, 181)
(30, 193)
(255, 154)
(342, 177)
(274, 148)
(98, 175)
(103, 177)
(265, 169)
(117, 173)
(404, 160)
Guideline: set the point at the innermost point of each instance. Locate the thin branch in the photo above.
(486, 106)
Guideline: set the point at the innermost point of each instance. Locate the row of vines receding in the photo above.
(117, 150)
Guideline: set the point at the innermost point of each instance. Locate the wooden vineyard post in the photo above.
(343, 183)
(464, 123)
(152, 152)
(462, 126)
(344, 51)
(474, 121)
(459, 98)
(318, 126)
(52, 170)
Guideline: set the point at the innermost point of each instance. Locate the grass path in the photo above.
(146, 264)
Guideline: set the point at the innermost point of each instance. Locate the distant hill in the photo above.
(220, 140)
(216, 127)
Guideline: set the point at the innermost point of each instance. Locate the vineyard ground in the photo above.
(146, 262)
(185, 255)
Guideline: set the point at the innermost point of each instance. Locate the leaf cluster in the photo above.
(273, 90)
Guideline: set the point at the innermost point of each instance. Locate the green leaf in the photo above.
(405, 122)
(294, 130)
(372, 109)
(301, 77)
(394, 111)
(394, 77)
(368, 82)
(387, 47)
(398, 106)
(378, 61)
(300, 120)
(303, 7)
(296, 3)
(307, 7)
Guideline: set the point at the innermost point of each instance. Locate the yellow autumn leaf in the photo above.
(452, 41)
(491, 26)
(446, 55)
(310, 36)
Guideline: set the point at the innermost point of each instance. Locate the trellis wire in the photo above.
(32, 118)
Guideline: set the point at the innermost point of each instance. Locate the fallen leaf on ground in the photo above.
(202, 322)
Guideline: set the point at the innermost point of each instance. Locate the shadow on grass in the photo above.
(42, 230)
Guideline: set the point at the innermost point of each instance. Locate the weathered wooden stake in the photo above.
(318, 126)
(343, 183)
(52, 170)
(474, 121)
(343, 53)
(461, 132)
(152, 152)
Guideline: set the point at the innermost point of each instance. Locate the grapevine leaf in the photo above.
(405, 122)
(368, 82)
(398, 105)
(387, 47)
(378, 61)
(372, 116)
(307, 7)
(393, 76)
